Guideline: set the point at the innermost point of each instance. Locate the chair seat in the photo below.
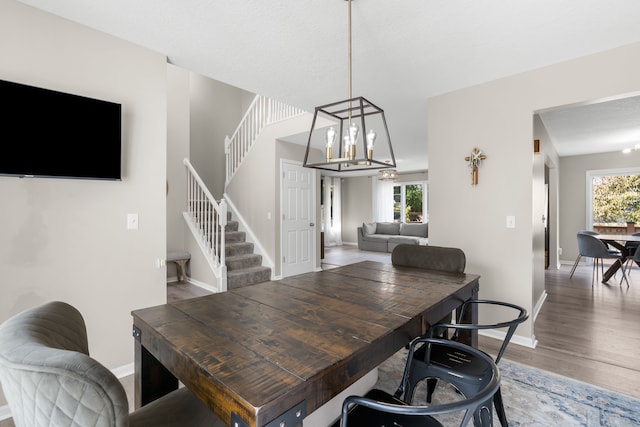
(380, 409)
(367, 417)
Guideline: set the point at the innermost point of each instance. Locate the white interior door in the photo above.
(298, 219)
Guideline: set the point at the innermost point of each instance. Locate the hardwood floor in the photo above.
(587, 333)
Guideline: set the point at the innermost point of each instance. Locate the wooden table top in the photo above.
(618, 237)
(258, 351)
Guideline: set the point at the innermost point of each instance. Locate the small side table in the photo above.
(180, 259)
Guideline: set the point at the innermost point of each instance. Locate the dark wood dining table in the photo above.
(617, 241)
(271, 353)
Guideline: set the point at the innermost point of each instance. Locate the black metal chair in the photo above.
(441, 354)
(379, 408)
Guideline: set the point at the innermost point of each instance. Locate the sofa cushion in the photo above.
(369, 228)
(404, 239)
(392, 228)
(375, 238)
(418, 230)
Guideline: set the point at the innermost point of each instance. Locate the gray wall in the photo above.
(67, 239)
(573, 203)
(201, 112)
(497, 118)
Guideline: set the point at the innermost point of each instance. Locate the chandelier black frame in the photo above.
(350, 117)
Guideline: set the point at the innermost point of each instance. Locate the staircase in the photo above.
(230, 256)
(243, 266)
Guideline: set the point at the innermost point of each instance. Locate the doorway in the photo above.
(298, 219)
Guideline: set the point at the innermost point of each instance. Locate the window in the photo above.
(614, 200)
(409, 202)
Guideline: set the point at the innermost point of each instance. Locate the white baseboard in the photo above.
(530, 342)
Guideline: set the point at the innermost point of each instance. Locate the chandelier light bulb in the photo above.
(331, 138)
(371, 140)
(353, 133)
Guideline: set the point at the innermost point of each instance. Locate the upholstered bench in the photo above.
(180, 259)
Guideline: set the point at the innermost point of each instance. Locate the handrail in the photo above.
(207, 220)
(263, 111)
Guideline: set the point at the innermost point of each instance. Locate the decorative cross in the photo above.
(474, 161)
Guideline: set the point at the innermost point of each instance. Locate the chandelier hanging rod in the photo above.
(350, 124)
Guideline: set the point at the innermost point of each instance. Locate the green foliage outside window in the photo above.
(413, 203)
(616, 199)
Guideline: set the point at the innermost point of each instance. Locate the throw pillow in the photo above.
(369, 228)
(418, 230)
(392, 228)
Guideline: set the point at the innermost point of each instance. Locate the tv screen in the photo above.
(45, 133)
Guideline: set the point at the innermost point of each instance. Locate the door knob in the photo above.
(311, 224)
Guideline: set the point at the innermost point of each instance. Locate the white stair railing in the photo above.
(263, 111)
(207, 220)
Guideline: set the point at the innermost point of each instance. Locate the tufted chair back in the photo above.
(429, 257)
(48, 377)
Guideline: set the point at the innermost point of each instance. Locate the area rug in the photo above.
(533, 397)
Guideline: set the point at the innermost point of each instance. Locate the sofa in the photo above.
(384, 236)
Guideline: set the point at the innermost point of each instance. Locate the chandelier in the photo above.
(388, 175)
(346, 133)
(632, 149)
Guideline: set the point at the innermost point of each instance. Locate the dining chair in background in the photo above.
(379, 408)
(631, 249)
(591, 247)
(49, 379)
(451, 260)
(612, 251)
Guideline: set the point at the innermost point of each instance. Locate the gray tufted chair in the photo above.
(49, 379)
(429, 257)
(452, 260)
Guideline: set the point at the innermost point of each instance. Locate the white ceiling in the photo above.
(594, 128)
(403, 51)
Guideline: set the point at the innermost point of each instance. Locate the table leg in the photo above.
(611, 271)
(151, 379)
(470, 316)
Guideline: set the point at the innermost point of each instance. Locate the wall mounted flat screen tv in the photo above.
(45, 133)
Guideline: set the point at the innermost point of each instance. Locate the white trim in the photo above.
(530, 342)
(124, 371)
(538, 306)
(589, 175)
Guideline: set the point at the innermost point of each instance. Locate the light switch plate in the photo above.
(511, 221)
(132, 221)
